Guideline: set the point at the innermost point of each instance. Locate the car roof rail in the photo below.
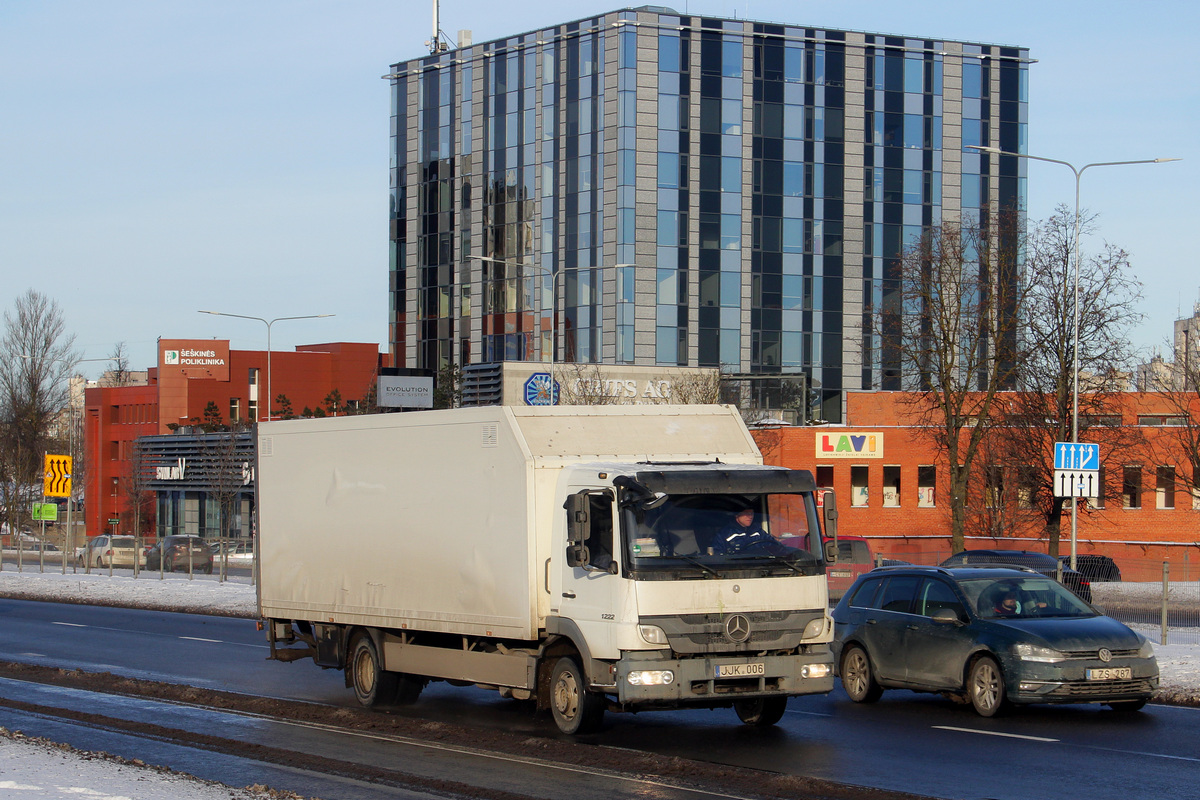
(937, 567)
(999, 565)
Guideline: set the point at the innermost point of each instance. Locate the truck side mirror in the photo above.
(577, 517)
(578, 555)
(829, 503)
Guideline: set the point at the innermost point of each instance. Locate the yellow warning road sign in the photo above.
(57, 482)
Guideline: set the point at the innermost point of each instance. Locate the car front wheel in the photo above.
(985, 686)
(857, 679)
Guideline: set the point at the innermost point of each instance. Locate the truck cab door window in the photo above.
(600, 531)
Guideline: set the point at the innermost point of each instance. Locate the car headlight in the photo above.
(1033, 652)
(652, 634)
(1146, 650)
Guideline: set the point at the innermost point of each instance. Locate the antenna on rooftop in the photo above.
(439, 43)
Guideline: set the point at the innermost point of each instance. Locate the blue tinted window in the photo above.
(668, 52)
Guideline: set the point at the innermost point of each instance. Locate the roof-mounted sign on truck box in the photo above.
(596, 558)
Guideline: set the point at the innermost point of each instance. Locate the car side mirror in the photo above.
(946, 616)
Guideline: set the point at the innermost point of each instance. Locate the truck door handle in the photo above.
(569, 595)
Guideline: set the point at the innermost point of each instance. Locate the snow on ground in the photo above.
(38, 769)
(32, 768)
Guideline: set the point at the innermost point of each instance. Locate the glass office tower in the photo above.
(644, 187)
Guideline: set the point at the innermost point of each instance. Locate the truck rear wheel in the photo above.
(372, 686)
(761, 712)
(576, 710)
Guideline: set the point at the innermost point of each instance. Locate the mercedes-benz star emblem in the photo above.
(737, 628)
(1105, 655)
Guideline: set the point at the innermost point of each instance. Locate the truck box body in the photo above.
(431, 527)
(352, 528)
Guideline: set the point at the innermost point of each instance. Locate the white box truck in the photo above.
(574, 555)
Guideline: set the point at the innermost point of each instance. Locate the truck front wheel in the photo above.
(372, 686)
(576, 710)
(761, 712)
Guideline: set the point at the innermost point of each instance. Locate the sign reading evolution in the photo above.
(194, 358)
(851, 444)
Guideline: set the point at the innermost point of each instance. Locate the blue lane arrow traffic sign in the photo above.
(1076, 455)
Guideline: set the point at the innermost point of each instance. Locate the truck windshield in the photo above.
(727, 536)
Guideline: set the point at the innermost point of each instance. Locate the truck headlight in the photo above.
(814, 628)
(815, 671)
(1033, 652)
(651, 677)
(652, 634)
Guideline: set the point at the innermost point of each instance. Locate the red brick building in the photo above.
(891, 486)
(192, 374)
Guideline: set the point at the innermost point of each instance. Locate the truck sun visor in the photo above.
(728, 481)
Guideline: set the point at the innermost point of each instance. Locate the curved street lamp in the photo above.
(268, 323)
(1078, 172)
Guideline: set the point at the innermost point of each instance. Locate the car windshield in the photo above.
(123, 541)
(720, 535)
(1023, 598)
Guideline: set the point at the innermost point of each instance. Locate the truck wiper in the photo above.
(702, 566)
(774, 557)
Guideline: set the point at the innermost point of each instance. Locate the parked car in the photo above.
(952, 631)
(106, 550)
(1094, 568)
(29, 543)
(173, 553)
(854, 559)
(235, 552)
(1024, 559)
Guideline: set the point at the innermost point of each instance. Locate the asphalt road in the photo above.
(906, 742)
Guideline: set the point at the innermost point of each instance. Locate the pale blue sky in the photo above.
(157, 158)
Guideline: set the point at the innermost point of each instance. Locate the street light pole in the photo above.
(268, 323)
(554, 276)
(1075, 333)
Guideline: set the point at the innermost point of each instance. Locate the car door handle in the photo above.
(569, 595)
(912, 627)
(870, 621)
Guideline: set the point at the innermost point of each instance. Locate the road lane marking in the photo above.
(995, 733)
(69, 624)
(198, 639)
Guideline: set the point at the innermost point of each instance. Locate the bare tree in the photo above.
(584, 385)
(949, 325)
(119, 373)
(1030, 421)
(37, 356)
(1179, 442)
(139, 498)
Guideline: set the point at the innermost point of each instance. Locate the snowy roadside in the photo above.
(32, 767)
